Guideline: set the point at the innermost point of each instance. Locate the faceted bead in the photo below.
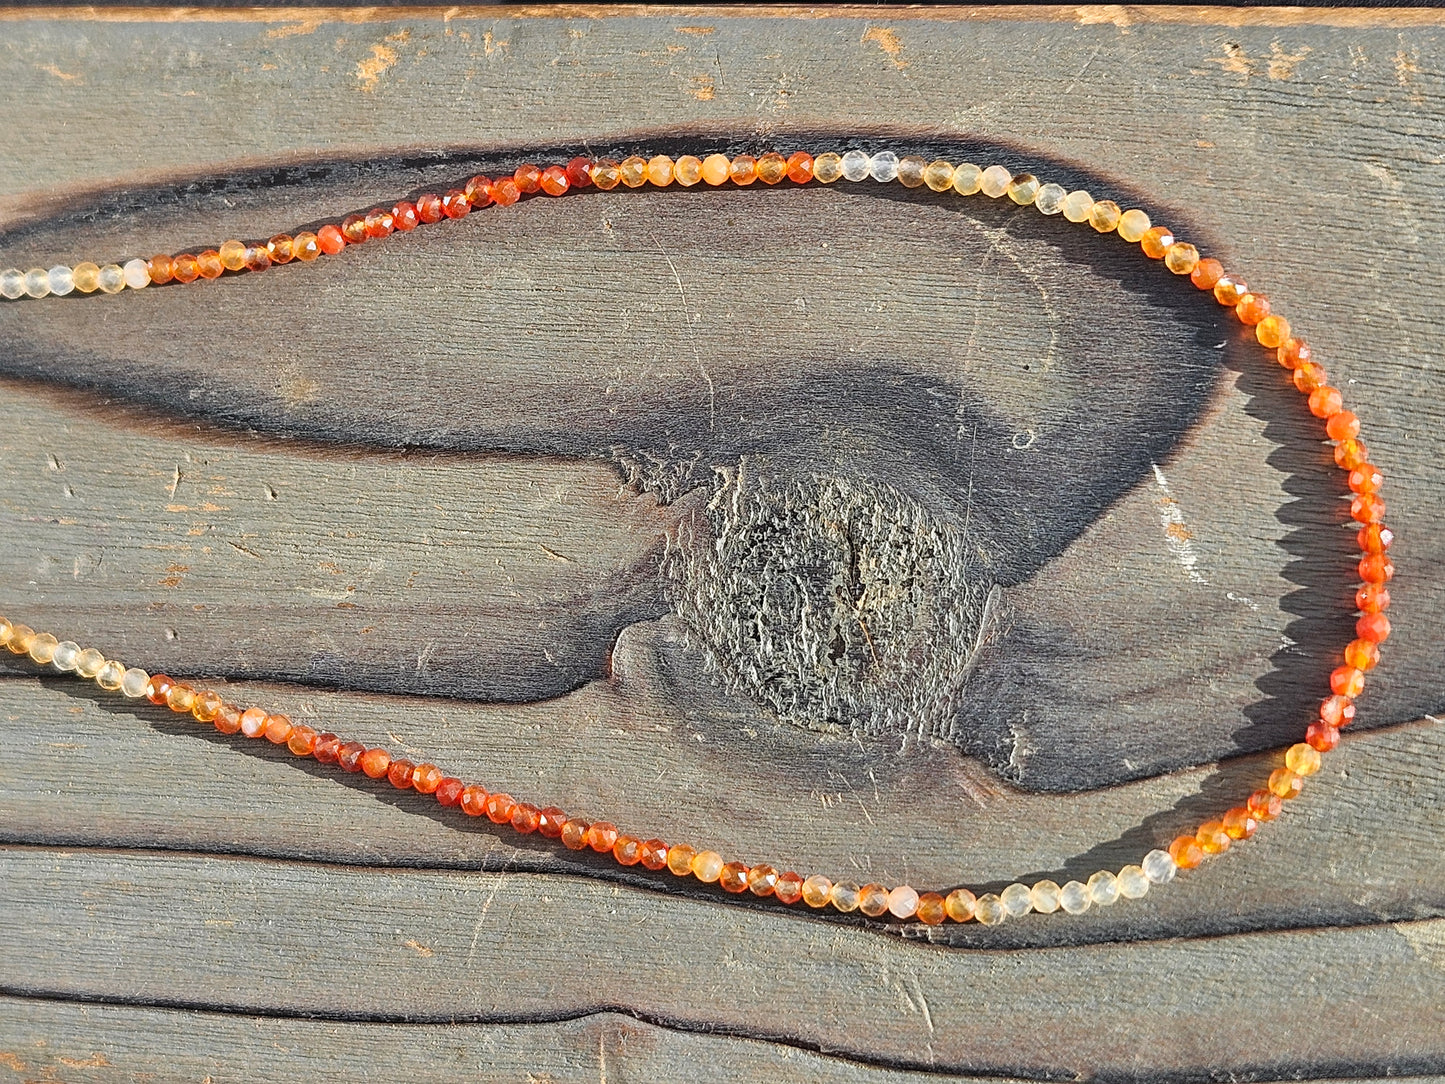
(473, 801)
(228, 719)
(429, 208)
(1285, 783)
(278, 731)
(1347, 681)
(505, 192)
(1376, 568)
(379, 223)
(687, 170)
(526, 819)
(1341, 424)
(42, 650)
(232, 255)
(800, 167)
(743, 170)
(161, 269)
(1367, 508)
(1362, 655)
(1302, 759)
(989, 910)
(994, 181)
(528, 178)
(1321, 736)
(208, 263)
(328, 747)
(136, 273)
(1326, 402)
(348, 754)
(1159, 866)
(404, 216)
(329, 239)
(1207, 273)
(660, 170)
(1103, 888)
(253, 725)
(1212, 837)
(1075, 898)
(1133, 225)
(1309, 376)
(110, 675)
(844, 896)
(86, 276)
(1156, 241)
(1229, 291)
(282, 249)
(574, 835)
(633, 170)
(1133, 884)
(931, 910)
(1264, 805)
(65, 654)
(606, 174)
(1023, 189)
(304, 247)
(817, 890)
(1186, 852)
(960, 904)
(1077, 206)
(579, 172)
(87, 663)
(1239, 823)
(733, 877)
(772, 168)
(111, 279)
(158, 689)
(499, 811)
(1271, 331)
(855, 166)
(762, 880)
(12, 283)
(1337, 710)
(967, 179)
(827, 167)
(903, 901)
(1104, 215)
(398, 772)
(181, 699)
(1251, 308)
(353, 228)
(449, 792)
(883, 166)
(455, 204)
(680, 858)
(1351, 453)
(910, 171)
(715, 169)
(555, 181)
(207, 706)
(425, 778)
(1017, 900)
(18, 642)
(549, 820)
(257, 258)
(626, 851)
(1044, 897)
(1293, 353)
(1372, 598)
(302, 741)
(1050, 199)
(1182, 258)
(707, 866)
(873, 899)
(1374, 628)
(653, 854)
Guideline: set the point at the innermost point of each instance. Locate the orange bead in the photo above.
(404, 216)
(282, 248)
(456, 205)
(278, 729)
(1367, 508)
(158, 689)
(528, 818)
(873, 900)
(1156, 241)
(550, 822)
(228, 719)
(574, 835)
(1181, 258)
(473, 801)
(1373, 627)
(1342, 425)
(1285, 784)
(1321, 736)
(330, 240)
(375, 762)
(800, 167)
(181, 698)
(528, 178)
(379, 223)
(555, 181)
(449, 792)
(207, 706)
(734, 877)
(1337, 710)
(679, 859)
(1265, 805)
(353, 228)
(253, 723)
(429, 208)
(399, 773)
(209, 263)
(960, 904)
(478, 191)
(505, 192)
(1347, 681)
(1362, 654)
(634, 171)
(1213, 838)
(1352, 453)
(653, 854)
(1308, 376)
(627, 851)
(1292, 353)
(426, 778)
(161, 269)
(1228, 291)
(715, 169)
(1207, 273)
(661, 170)
(931, 909)
(743, 170)
(1239, 823)
(601, 837)
(1186, 852)
(301, 741)
(499, 811)
(772, 168)
(1251, 308)
(306, 247)
(789, 888)
(1374, 538)
(185, 268)
(1376, 568)
(762, 880)
(606, 174)
(1365, 478)
(257, 258)
(687, 170)
(1326, 402)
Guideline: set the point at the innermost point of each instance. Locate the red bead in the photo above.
(479, 191)
(789, 888)
(550, 822)
(429, 208)
(375, 762)
(349, 754)
(579, 172)
(499, 808)
(505, 192)
(1371, 598)
(526, 818)
(1337, 711)
(449, 791)
(379, 223)
(1367, 508)
(353, 228)
(158, 688)
(328, 747)
(528, 177)
(1373, 627)
(404, 216)
(455, 204)
(1376, 568)
(473, 801)
(1347, 681)
(399, 774)
(330, 239)
(1375, 538)
(653, 854)
(555, 181)
(1321, 737)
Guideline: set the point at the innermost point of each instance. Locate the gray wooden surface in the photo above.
(501, 493)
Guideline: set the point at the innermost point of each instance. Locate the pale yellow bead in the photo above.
(111, 279)
(1045, 897)
(967, 179)
(827, 167)
(66, 652)
(1023, 188)
(134, 683)
(1050, 199)
(995, 181)
(910, 171)
(938, 175)
(1017, 900)
(817, 890)
(989, 910)
(845, 896)
(42, 648)
(111, 675)
(86, 277)
(660, 170)
(707, 866)
(6, 631)
(1133, 225)
(688, 170)
(1132, 882)
(1077, 205)
(1074, 898)
(233, 255)
(1301, 759)
(1103, 888)
(89, 662)
(1104, 215)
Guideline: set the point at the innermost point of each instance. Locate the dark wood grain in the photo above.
(517, 494)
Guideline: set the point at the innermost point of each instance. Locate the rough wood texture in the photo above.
(924, 537)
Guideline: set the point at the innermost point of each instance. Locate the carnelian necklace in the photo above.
(902, 901)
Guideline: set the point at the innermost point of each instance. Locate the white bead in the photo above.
(134, 683)
(883, 166)
(995, 181)
(12, 283)
(112, 279)
(1017, 900)
(1132, 883)
(66, 652)
(1159, 867)
(1103, 888)
(1045, 897)
(1074, 898)
(37, 282)
(137, 274)
(62, 281)
(989, 910)
(1050, 200)
(903, 902)
(855, 166)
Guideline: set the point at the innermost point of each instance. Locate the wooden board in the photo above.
(848, 528)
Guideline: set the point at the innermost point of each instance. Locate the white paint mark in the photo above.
(1176, 535)
(1241, 599)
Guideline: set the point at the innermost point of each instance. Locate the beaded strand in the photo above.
(1159, 866)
